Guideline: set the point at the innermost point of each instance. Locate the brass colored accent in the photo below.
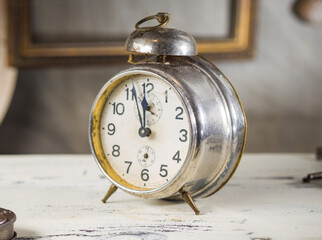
(188, 199)
(109, 193)
(145, 60)
(130, 60)
(160, 59)
(163, 19)
(96, 138)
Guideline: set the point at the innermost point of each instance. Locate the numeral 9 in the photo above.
(111, 129)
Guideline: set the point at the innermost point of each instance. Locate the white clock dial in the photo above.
(150, 103)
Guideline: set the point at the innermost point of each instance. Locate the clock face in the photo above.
(145, 131)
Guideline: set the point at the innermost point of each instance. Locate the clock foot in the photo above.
(111, 190)
(188, 199)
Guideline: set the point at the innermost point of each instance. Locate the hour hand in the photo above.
(145, 105)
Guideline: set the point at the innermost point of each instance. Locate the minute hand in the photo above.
(137, 105)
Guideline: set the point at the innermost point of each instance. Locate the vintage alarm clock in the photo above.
(170, 126)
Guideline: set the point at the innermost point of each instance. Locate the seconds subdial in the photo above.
(146, 156)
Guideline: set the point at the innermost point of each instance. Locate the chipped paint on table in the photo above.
(59, 197)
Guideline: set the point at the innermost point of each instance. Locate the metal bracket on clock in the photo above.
(156, 59)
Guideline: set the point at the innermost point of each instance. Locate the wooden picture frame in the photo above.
(23, 52)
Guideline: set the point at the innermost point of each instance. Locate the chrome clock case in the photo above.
(217, 120)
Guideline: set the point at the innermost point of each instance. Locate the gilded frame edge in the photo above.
(24, 53)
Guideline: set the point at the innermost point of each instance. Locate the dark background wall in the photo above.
(281, 90)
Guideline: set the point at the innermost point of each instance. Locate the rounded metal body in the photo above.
(218, 126)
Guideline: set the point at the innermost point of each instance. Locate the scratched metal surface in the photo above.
(58, 197)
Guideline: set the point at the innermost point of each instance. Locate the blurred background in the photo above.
(56, 55)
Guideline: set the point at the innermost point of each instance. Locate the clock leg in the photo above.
(111, 190)
(188, 199)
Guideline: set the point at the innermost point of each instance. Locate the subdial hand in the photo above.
(149, 110)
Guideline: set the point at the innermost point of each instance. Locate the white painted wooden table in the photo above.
(59, 197)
